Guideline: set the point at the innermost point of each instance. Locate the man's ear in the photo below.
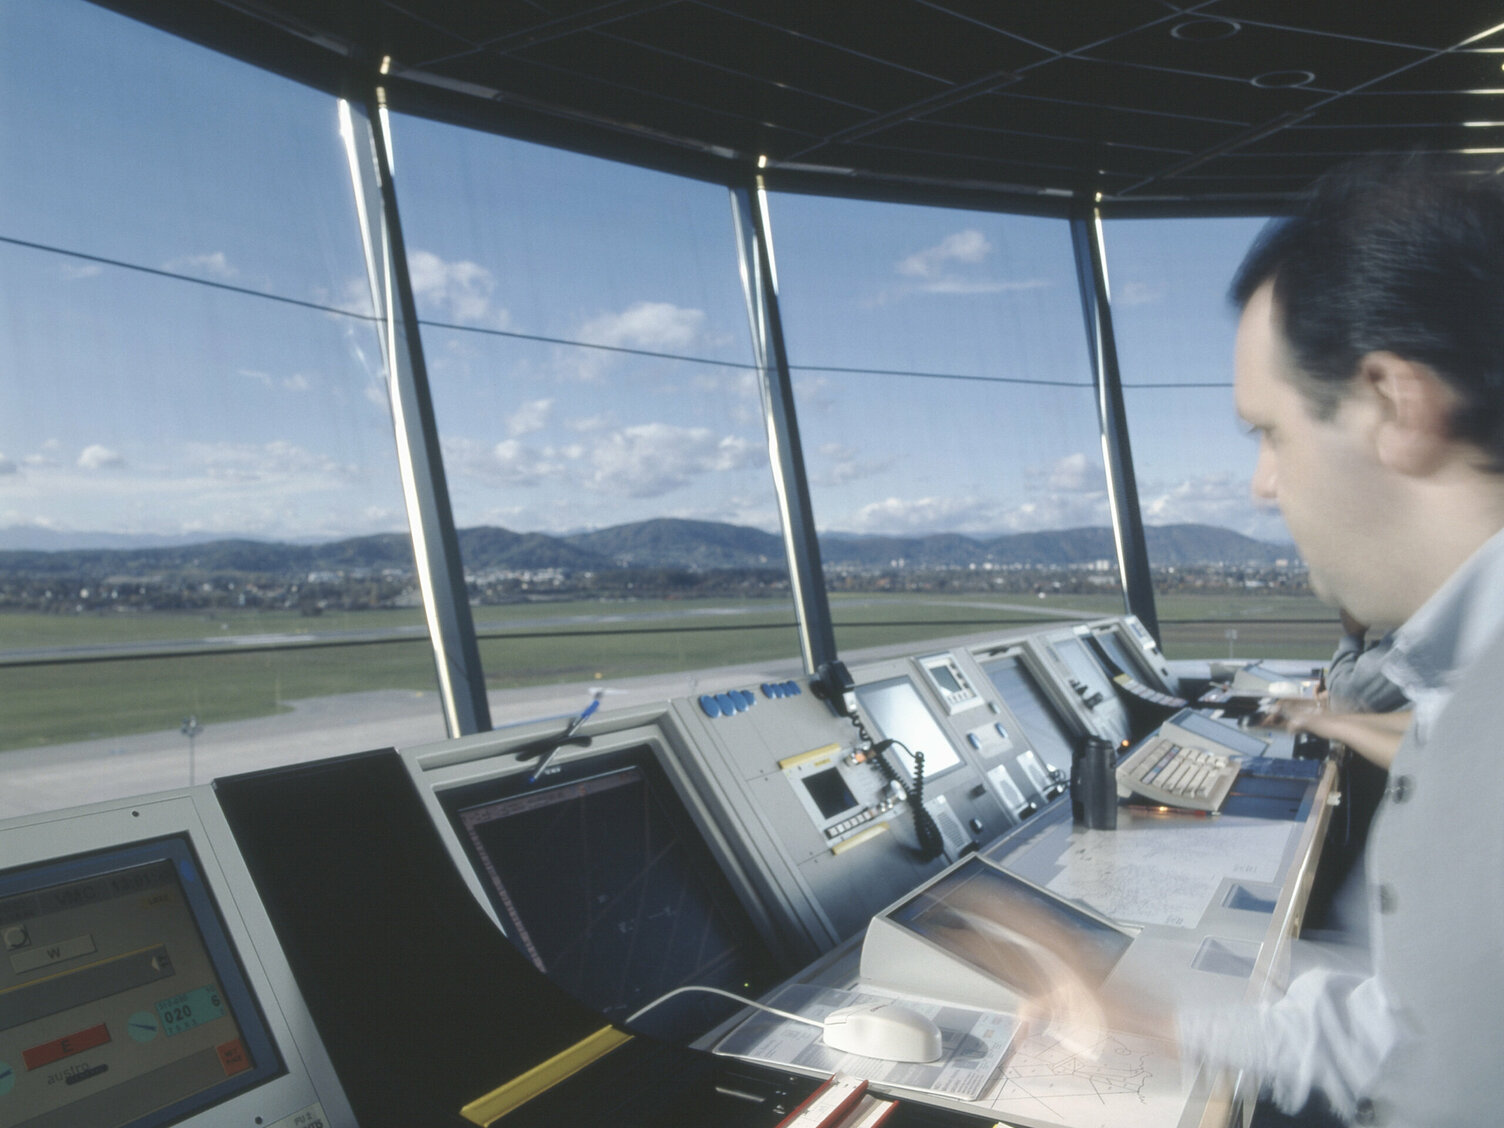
(1413, 435)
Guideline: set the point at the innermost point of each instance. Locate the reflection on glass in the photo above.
(195, 444)
(1216, 556)
(601, 420)
(946, 411)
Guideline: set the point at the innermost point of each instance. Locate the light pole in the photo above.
(190, 729)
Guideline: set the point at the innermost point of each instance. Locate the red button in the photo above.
(233, 1057)
(49, 1052)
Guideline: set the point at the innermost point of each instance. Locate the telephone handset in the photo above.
(833, 684)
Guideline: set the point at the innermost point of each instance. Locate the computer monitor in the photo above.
(1042, 724)
(981, 933)
(1118, 652)
(597, 873)
(900, 714)
(123, 1003)
(1109, 717)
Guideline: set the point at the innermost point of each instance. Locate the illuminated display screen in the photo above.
(900, 714)
(1040, 722)
(122, 1004)
(1016, 933)
(944, 678)
(601, 879)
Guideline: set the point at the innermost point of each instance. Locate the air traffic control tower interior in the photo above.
(489, 920)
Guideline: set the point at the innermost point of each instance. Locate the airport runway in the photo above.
(68, 775)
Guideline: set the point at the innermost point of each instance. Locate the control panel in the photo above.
(140, 983)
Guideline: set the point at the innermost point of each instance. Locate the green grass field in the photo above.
(545, 643)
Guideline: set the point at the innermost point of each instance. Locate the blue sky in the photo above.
(140, 404)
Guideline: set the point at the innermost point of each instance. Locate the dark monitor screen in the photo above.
(1073, 651)
(1012, 930)
(1112, 643)
(122, 1002)
(1042, 724)
(602, 880)
(830, 793)
(901, 715)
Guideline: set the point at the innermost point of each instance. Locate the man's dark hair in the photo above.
(1404, 256)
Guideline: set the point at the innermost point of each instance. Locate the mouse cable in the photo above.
(717, 991)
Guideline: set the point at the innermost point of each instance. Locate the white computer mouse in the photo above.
(883, 1030)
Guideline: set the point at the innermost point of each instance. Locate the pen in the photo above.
(569, 731)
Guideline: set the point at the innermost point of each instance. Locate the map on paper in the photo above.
(1093, 1079)
(1167, 874)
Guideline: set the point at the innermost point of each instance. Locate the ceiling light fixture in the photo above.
(1206, 30)
(1283, 80)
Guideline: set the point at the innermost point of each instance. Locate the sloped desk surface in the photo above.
(1213, 900)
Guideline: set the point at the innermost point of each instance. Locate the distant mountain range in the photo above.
(661, 543)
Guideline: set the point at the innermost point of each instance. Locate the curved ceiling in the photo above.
(1228, 104)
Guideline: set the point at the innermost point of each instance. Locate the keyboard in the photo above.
(1163, 770)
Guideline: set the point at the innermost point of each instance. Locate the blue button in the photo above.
(709, 705)
(727, 705)
(793, 688)
(767, 689)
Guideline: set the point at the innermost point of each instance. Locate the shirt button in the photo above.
(1400, 789)
(1365, 1113)
(1388, 899)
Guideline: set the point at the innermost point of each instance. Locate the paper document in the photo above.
(1167, 875)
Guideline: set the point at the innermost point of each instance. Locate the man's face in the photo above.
(1321, 473)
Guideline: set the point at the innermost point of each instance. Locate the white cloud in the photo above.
(1075, 473)
(968, 246)
(590, 424)
(651, 459)
(953, 266)
(75, 271)
(954, 285)
(297, 382)
(531, 416)
(1221, 498)
(839, 465)
(1069, 493)
(213, 265)
(904, 516)
(1137, 293)
(97, 457)
(646, 325)
(455, 291)
(278, 459)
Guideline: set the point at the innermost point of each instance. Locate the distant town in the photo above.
(654, 559)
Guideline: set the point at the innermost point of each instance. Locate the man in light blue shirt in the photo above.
(1370, 365)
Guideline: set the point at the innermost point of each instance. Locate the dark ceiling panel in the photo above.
(1138, 100)
(1433, 26)
(1060, 27)
(1456, 72)
(1087, 121)
(1256, 54)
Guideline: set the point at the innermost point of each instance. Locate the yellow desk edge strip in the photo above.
(812, 754)
(857, 839)
(524, 1087)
